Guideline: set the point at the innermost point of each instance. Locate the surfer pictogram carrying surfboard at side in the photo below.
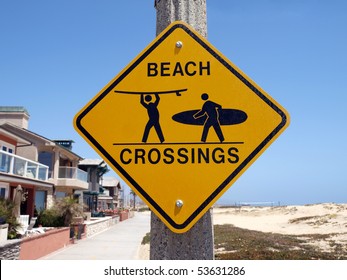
(210, 115)
(152, 109)
(211, 110)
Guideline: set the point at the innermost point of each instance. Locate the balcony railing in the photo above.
(13, 164)
(72, 173)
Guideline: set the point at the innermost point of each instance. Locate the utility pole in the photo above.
(197, 243)
(192, 12)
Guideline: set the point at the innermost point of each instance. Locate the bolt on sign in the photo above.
(180, 124)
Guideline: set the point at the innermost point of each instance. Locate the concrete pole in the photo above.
(197, 243)
(192, 12)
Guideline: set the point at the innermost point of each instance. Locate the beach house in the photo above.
(45, 169)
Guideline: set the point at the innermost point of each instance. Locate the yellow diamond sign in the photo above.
(180, 124)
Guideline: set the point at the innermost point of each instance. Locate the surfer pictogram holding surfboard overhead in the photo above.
(153, 115)
(152, 109)
(211, 110)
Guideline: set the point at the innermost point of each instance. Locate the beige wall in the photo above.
(20, 119)
(29, 152)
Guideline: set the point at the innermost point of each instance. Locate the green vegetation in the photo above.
(144, 209)
(68, 208)
(314, 220)
(7, 217)
(50, 218)
(61, 214)
(146, 239)
(233, 243)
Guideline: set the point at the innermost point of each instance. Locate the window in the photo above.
(4, 162)
(6, 147)
(40, 200)
(60, 195)
(2, 192)
(5, 159)
(4, 187)
(46, 158)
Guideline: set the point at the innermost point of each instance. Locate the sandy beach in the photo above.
(323, 219)
(327, 219)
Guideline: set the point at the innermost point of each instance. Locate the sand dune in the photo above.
(325, 218)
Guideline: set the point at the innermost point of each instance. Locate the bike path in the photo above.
(120, 242)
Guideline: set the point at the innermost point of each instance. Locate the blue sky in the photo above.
(55, 56)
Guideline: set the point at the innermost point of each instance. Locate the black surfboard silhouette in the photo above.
(226, 117)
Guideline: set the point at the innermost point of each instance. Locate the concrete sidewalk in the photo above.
(120, 242)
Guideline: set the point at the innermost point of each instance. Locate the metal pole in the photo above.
(197, 243)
